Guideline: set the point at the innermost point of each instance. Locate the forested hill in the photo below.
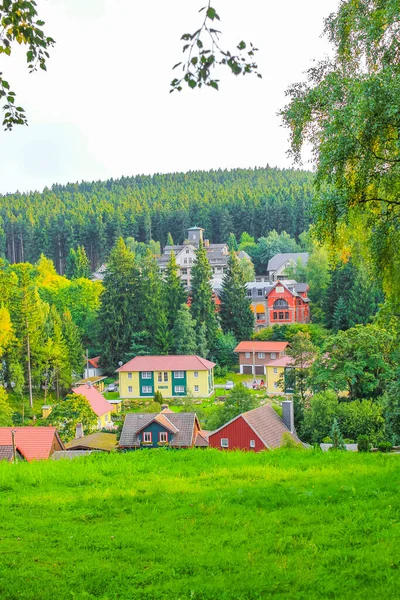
(148, 207)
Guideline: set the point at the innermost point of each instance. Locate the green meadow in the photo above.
(202, 525)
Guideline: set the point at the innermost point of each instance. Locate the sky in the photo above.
(103, 108)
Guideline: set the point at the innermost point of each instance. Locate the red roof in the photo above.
(98, 403)
(34, 443)
(167, 363)
(283, 361)
(94, 362)
(261, 346)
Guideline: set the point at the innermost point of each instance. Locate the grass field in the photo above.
(202, 525)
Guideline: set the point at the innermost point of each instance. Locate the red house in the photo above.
(280, 302)
(256, 430)
(32, 443)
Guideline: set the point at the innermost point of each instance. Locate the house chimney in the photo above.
(164, 406)
(288, 414)
(79, 431)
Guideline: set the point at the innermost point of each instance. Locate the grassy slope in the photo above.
(202, 525)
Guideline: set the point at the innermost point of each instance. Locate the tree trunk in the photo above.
(28, 351)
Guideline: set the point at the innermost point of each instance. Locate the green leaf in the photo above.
(5, 85)
(214, 85)
(211, 13)
(192, 83)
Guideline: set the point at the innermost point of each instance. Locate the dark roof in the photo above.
(266, 423)
(6, 453)
(279, 259)
(301, 287)
(135, 422)
(201, 441)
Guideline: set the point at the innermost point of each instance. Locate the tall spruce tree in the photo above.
(153, 310)
(82, 263)
(175, 294)
(340, 320)
(202, 348)
(118, 314)
(364, 299)
(70, 264)
(232, 242)
(202, 302)
(235, 313)
(170, 241)
(184, 332)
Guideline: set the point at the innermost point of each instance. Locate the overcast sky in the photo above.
(103, 109)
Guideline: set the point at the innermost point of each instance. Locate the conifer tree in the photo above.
(82, 263)
(153, 311)
(364, 299)
(73, 342)
(118, 314)
(175, 294)
(202, 302)
(232, 242)
(340, 320)
(158, 398)
(70, 264)
(28, 316)
(235, 313)
(202, 348)
(336, 436)
(184, 332)
(170, 241)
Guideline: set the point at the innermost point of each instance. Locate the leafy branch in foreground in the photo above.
(19, 23)
(201, 57)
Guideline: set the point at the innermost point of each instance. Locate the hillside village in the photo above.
(247, 379)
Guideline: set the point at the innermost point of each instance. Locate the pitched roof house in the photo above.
(151, 430)
(267, 360)
(278, 303)
(278, 263)
(172, 375)
(98, 403)
(7, 453)
(256, 430)
(33, 443)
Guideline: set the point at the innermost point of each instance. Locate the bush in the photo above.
(327, 440)
(220, 372)
(288, 442)
(363, 443)
(384, 446)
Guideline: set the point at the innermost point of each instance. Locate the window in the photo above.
(279, 289)
(259, 292)
(187, 249)
(281, 303)
(159, 378)
(179, 374)
(147, 436)
(129, 389)
(280, 315)
(184, 271)
(286, 315)
(179, 389)
(165, 376)
(163, 437)
(275, 384)
(275, 370)
(224, 443)
(129, 375)
(196, 388)
(260, 316)
(185, 260)
(249, 293)
(273, 355)
(147, 389)
(261, 355)
(247, 354)
(146, 375)
(252, 443)
(275, 315)
(195, 374)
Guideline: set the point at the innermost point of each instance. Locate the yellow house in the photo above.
(275, 374)
(173, 376)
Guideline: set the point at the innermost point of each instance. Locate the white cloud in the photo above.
(103, 109)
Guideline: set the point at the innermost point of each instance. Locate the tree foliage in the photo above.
(348, 111)
(68, 413)
(235, 313)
